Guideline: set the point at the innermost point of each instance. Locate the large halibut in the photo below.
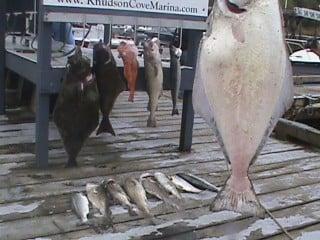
(243, 85)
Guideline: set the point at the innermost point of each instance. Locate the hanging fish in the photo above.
(154, 77)
(175, 76)
(110, 84)
(76, 112)
(129, 55)
(243, 85)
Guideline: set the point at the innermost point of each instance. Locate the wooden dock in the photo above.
(35, 204)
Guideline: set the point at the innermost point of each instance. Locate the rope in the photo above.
(278, 223)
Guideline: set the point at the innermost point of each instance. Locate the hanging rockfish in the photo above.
(109, 82)
(129, 54)
(243, 85)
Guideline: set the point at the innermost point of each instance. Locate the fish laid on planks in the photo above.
(80, 204)
(154, 77)
(110, 84)
(243, 85)
(138, 195)
(120, 197)
(153, 187)
(76, 113)
(99, 198)
(129, 53)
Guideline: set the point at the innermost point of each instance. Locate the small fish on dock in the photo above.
(80, 204)
(138, 195)
(153, 187)
(165, 182)
(99, 198)
(183, 185)
(120, 197)
(198, 182)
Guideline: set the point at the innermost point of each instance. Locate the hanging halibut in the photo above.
(243, 85)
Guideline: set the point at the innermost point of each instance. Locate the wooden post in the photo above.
(42, 90)
(3, 25)
(194, 37)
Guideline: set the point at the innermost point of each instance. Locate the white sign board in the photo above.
(307, 13)
(177, 7)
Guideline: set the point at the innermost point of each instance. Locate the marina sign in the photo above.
(307, 13)
(178, 7)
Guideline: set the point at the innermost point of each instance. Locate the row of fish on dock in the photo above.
(133, 195)
(84, 89)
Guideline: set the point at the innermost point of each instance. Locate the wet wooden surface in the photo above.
(36, 203)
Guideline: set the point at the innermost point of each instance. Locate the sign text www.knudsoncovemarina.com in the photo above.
(181, 7)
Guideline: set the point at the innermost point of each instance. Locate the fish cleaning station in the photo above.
(195, 142)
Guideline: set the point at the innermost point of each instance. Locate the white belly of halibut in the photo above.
(243, 80)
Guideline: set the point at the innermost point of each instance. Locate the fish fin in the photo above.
(105, 126)
(72, 162)
(175, 112)
(241, 202)
(151, 122)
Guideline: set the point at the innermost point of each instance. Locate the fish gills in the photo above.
(175, 75)
(154, 77)
(242, 88)
(129, 54)
(109, 82)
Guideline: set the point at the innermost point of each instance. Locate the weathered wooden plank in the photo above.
(18, 175)
(307, 233)
(253, 228)
(109, 146)
(218, 179)
(200, 218)
(60, 187)
(54, 135)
